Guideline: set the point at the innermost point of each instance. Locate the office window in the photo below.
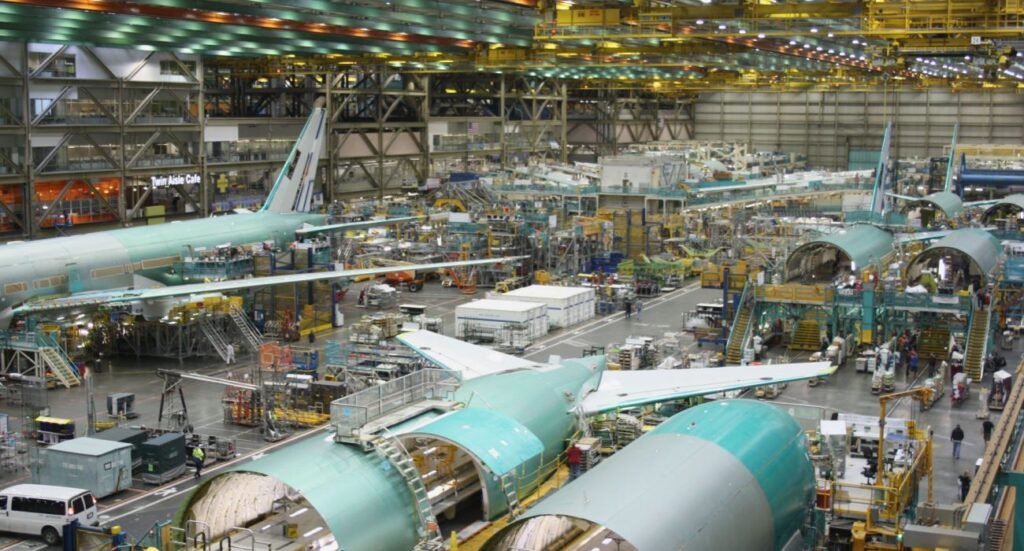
(62, 66)
(170, 67)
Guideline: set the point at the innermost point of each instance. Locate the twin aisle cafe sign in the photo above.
(175, 180)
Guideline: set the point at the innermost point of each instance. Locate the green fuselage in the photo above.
(109, 259)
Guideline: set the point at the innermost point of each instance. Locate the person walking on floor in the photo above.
(986, 430)
(198, 455)
(965, 485)
(229, 354)
(958, 439)
(639, 309)
(574, 456)
(629, 309)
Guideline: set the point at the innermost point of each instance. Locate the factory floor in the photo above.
(136, 510)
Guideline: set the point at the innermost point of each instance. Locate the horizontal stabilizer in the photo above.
(621, 389)
(345, 226)
(468, 359)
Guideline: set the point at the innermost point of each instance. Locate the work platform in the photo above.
(360, 418)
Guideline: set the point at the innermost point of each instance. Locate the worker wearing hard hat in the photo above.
(198, 455)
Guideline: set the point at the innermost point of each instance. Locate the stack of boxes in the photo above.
(567, 306)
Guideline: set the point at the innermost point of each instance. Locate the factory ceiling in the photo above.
(659, 45)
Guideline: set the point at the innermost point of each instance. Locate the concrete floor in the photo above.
(136, 510)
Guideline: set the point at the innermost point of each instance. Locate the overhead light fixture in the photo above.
(700, 21)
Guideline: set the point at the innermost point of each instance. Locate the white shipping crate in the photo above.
(489, 314)
(567, 306)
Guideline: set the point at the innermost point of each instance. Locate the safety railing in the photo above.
(48, 340)
(909, 301)
(891, 494)
(791, 292)
(694, 197)
(352, 412)
(34, 340)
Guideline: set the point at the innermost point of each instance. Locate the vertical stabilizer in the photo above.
(952, 159)
(293, 189)
(882, 173)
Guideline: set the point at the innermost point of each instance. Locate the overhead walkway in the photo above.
(708, 199)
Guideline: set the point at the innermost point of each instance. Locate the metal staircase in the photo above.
(395, 453)
(60, 365)
(252, 337)
(347, 251)
(977, 343)
(996, 535)
(806, 336)
(217, 338)
(740, 330)
(508, 487)
(934, 343)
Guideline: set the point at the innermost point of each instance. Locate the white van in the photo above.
(41, 510)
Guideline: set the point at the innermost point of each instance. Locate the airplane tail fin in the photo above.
(293, 189)
(882, 173)
(952, 159)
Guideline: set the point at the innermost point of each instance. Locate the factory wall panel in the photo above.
(826, 126)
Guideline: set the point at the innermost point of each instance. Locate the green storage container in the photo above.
(135, 437)
(100, 466)
(163, 457)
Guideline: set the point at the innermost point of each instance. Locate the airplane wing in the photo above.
(904, 197)
(979, 204)
(929, 235)
(133, 295)
(620, 389)
(357, 225)
(922, 236)
(468, 359)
